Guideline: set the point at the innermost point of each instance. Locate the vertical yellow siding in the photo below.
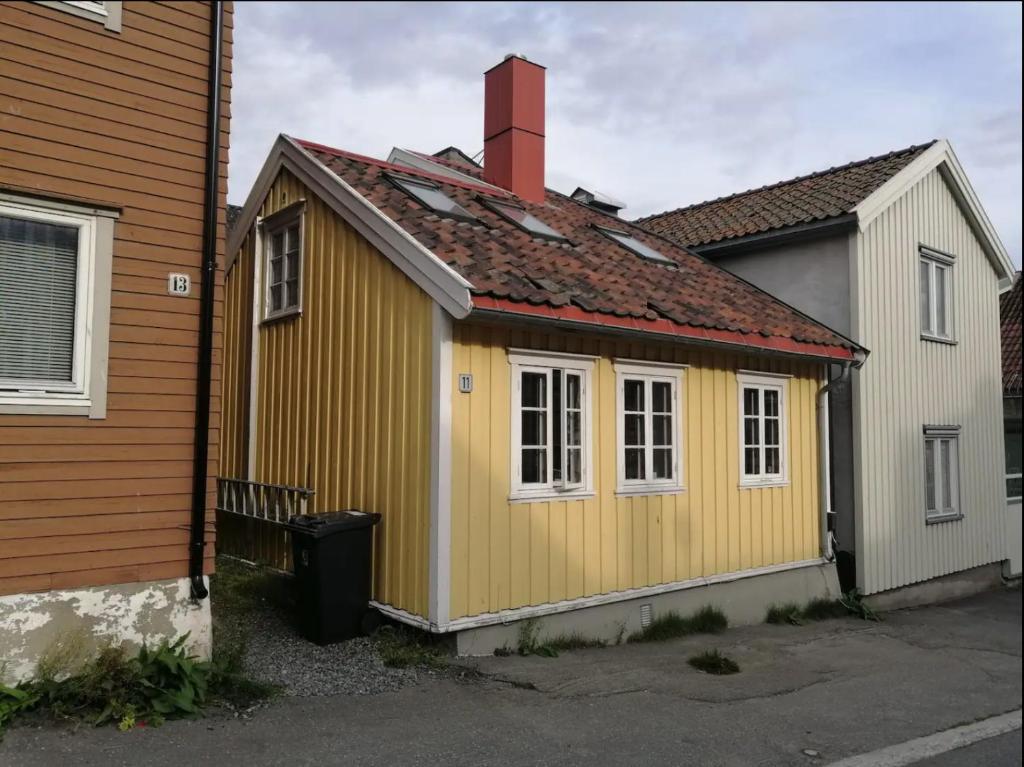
(343, 403)
(507, 555)
(908, 382)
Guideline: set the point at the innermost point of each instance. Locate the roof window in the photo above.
(524, 220)
(631, 243)
(431, 196)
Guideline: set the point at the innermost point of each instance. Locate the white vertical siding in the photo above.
(909, 382)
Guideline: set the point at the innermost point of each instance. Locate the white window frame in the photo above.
(108, 12)
(762, 382)
(24, 396)
(937, 435)
(649, 373)
(935, 261)
(281, 221)
(528, 361)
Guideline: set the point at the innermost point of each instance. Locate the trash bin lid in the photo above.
(332, 522)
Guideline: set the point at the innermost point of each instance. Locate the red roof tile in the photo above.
(1010, 318)
(589, 272)
(806, 199)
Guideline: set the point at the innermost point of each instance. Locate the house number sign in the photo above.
(465, 382)
(179, 284)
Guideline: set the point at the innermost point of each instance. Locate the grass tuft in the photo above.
(713, 662)
(671, 625)
(820, 609)
(788, 612)
(399, 647)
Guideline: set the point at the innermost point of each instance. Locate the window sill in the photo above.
(939, 339)
(44, 406)
(269, 320)
(547, 497)
(766, 483)
(937, 519)
(650, 490)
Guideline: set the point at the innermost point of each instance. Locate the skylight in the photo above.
(633, 244)
(432, 197)
(525, 220)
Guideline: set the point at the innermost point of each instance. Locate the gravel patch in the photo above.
(277, 654)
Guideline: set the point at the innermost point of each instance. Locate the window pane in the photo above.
(771, 402)
(772, 464)
(926, 293)
(277, 245)
(929, 474)
(433, 198)
(573, 429)
(751, 461)
(771, 431)
(634, 430)
(634, 395)
(572, 391)
(293, 265)
(535, 468)
(662, 463)
(945, 447)
(633, 244)
(574, 465)
(940, 300)
(556, 425)
(293, 238)
(527, 221)
(750, 401)
(635, 463)
(535, 427)
(534, 392)
(662, 429)
(38, 284)
(1014, 487)
(751, 434)
(293, 293)
(661, 393)
(276, 270)
(275, 297)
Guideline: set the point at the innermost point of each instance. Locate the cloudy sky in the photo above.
(659, 105)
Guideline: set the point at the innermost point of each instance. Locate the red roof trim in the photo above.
(491, 191)
(663, 327)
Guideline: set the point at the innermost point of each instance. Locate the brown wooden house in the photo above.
(113, 176)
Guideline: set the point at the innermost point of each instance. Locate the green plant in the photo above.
(671, 625)
(13, 700)
(785, 613)
(853, 602)
(713, 662)
(401, 648)
(822, 608)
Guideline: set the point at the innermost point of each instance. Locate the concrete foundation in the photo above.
(943, 589)
(743, 599)
(73, 624)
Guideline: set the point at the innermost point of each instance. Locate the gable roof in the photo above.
(859, 190)
(1010, 307)
(801, 200)
(587, 280)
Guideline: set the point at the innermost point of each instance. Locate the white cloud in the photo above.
(661, 105)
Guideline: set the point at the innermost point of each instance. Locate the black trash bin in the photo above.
(331, 555)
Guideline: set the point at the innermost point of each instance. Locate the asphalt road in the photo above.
(1001, 751)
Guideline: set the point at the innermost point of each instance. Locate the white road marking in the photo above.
(932, 745)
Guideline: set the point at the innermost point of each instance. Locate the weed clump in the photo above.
(713, 662)
(672, 625)
(400, 648)
(820, 609)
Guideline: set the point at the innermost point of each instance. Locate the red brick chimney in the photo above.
(514, 127)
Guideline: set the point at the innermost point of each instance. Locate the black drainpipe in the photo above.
(201, 448)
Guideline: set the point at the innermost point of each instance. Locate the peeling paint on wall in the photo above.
(130, 613)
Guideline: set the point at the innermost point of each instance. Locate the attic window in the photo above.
(524, 220)
(432, 197)
(631, 243)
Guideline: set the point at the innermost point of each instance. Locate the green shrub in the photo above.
(671, 625)
(713, 662)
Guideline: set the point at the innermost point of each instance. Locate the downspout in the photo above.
(211, 207)
(825, 463)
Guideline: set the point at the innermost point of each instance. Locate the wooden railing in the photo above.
(251, 518)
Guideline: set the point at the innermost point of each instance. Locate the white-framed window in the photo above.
(54, 307)
(935, 270)
(106, 12)
(648, 427)
(763, 425)
(941, 473)
(282, 264)
(551, 423)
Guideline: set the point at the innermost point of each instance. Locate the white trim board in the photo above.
(441, 468)
(554, 608)
(940, 155)
(436, 278)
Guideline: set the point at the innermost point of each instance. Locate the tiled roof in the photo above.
(590, 274)
(803, 200)
(1010, 318)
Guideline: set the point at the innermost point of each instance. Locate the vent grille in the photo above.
(645, 616)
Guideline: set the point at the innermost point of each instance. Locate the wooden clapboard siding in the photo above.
(343, 396)
(115, 119)
(515, 554)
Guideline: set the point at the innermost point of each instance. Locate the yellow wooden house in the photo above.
(557, 413)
